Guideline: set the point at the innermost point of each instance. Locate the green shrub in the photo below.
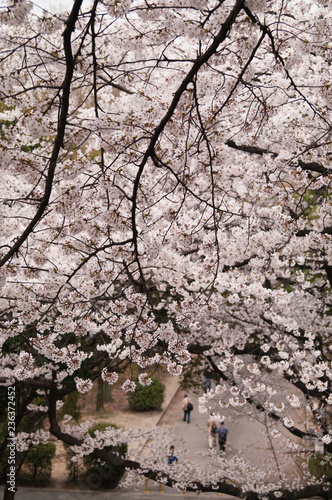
(27, 424)
(101, 474)
(148, 397)
(38, 462)
(320, 465)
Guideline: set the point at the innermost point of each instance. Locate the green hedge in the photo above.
(38, 463)
(320, 465)
(148, 397)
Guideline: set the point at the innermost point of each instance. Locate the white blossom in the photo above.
(327, 439)
(144, 379)
(128, 386)
(82, 385)
(294, 400)
(288, 422)
(110, 377)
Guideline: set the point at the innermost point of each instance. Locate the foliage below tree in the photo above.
(320, 466)
(38, 463)
(24, 421)
(147, 397)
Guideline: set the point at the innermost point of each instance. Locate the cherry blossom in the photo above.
(165, 201)
(82, 385)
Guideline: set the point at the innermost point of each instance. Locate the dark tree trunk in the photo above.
(8, 494)
(107, 392)
(100, 396)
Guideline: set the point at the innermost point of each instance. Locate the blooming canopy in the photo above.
(165, 194)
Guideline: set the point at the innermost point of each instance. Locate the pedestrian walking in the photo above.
(187, 407)
(222, 436)
(212, 432)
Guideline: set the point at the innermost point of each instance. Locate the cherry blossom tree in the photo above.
(165, 194)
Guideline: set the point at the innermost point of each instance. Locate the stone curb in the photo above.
(167, 405)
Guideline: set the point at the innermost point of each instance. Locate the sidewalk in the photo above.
(247, 437)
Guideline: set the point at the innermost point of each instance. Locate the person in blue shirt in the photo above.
(222, 436)
(171, 456)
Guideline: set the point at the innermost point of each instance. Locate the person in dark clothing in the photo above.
(222, 436)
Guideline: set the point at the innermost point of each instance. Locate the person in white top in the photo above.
(212, 432)
(187, 407)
